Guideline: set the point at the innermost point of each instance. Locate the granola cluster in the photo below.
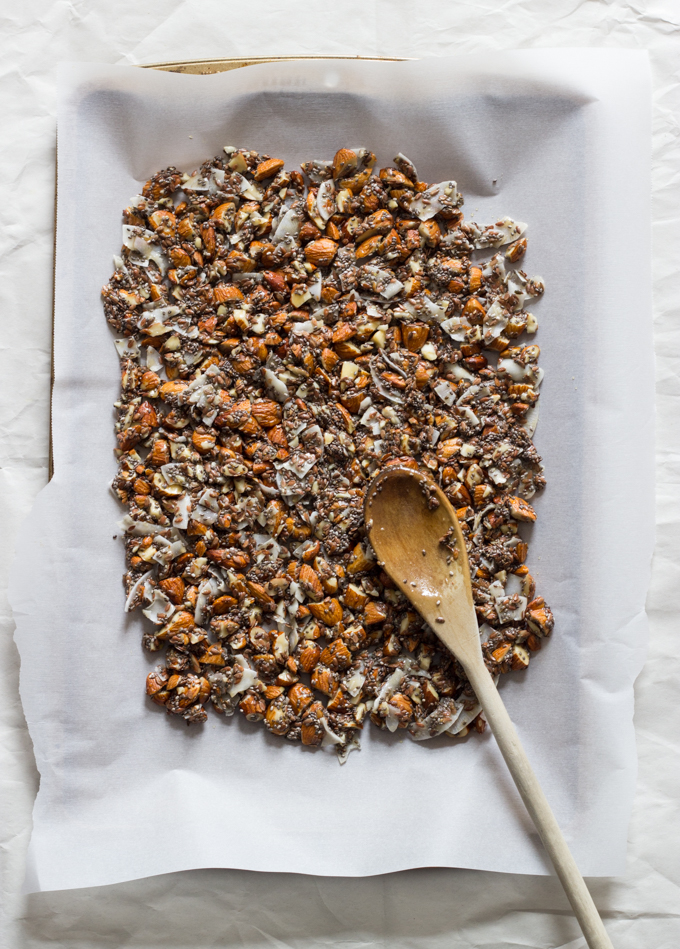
(283, 337)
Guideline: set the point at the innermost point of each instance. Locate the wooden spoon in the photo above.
(407, 515)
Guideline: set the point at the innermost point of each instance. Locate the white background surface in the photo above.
(417, 908)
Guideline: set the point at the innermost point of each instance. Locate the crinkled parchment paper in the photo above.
(559, 139)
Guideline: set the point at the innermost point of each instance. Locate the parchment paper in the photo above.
(555, 138)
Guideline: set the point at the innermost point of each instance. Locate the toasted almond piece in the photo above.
(375, 612)
(155, 681)
(347, 350)
(517, 250)
(170, 390)
(430, 233)
(336, 656)
(224, 292)
(540, 620)
(321, 252)
(355, 598)
(173, 587)
(359, 561)
(163, 222)
(343, 332)
(329, 611)
(300, 696)
(309, 655)
(499, 654)
(324, 680)
(159, 454)
(223, 604)
(395, 179)
(268, 168)
(414, 336)
(213, 656)
(475, 279)
(371, 246)
(520, 510)
(474, 311)
(310, 583)
(253, 707)
(267, 412)
(520, 657)
(344, 162)
(401, 706)
(202, 442)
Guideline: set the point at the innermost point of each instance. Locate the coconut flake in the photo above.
(325, 199)
(445, 392)
(530, 420)
(434, 311)
(503, 232)
(300, 463)
(389, 687)
(495, 321)
(278, 388)
(330, 738)
(354, 683)
(288, 226)
(372, 420)
(141, 241)
(153, 360)
(301, 329)
(317, 171)
(382, 281)
(316, 287)
(247, 188)
(380, 386)
(160, 610)
(216, 182)
(169, 551)
(463, 718)
(132, 595)
(437, 198)
(248, 678)
(513, 584)
(516, 370)
(127, 346)
(343, 751)
(196, 182)
(460, 372)
(457, 328)
(507, 612)
(139, 528)
(267, 545)
(181, 518)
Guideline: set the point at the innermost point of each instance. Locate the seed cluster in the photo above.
(282, 338)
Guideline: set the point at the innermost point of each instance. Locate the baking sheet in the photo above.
(564, 138)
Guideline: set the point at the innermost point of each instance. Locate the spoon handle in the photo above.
(537, 805)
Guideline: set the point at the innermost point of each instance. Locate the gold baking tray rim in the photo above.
(197, 67)
(205, 67)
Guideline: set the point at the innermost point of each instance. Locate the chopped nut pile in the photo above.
(282, 337)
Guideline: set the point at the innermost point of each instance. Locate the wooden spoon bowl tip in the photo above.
(416, 535)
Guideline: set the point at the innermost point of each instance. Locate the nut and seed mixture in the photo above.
(282, 337)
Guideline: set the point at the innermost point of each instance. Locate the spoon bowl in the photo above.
(415, 532)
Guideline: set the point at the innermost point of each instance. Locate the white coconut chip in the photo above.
(134, 589)
(248, 678)
(160, 610)
(278, 388)
(127, 346)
